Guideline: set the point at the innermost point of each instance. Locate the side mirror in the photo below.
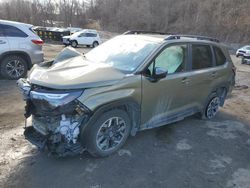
(159, 73)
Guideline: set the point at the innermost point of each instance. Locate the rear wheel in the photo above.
(108, 133)
(14, 67)
(74, 44)
(95, 44)
(212, 107)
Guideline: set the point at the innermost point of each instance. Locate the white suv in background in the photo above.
(20, 48)
(85, 37)
(242, 51)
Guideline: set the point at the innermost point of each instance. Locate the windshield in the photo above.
(124, 53)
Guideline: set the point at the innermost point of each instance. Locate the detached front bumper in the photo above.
(35, 137)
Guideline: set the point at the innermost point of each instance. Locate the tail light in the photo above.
(37, 41)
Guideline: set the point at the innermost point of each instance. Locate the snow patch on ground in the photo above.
(226, 129)
(183, 145)
(122, 152)
(241, 179)
(220, 162)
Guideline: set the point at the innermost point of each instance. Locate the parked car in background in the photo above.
(20, 48)
(85, 37)
(242, 51)
(130, 83)
(246, 58)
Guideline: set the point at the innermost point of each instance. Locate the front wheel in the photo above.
(74, 44)
(108, 133)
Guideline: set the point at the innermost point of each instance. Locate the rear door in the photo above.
(91, 38)
(82, 39)
(16, 37)
(4, 44)
(202, 74)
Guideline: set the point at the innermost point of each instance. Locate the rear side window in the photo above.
(11, 31)
(201, 57)
(1, 30)
(91, 35)
(219, 56)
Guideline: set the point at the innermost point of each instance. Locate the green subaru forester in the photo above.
(135, 81)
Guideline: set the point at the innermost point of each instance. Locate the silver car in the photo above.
(20, 48)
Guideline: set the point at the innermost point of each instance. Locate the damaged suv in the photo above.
(133, 82)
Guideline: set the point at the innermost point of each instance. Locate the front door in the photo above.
(164, 99)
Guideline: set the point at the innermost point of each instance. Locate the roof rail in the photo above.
(137, 32)
(172, 37)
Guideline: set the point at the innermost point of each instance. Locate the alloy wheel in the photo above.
(213, 107)
(111, 134)
(15, 68)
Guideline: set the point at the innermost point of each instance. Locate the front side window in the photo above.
(172, 59)
(219, 56)
(201, 56)
(12, 31)
(124, 52)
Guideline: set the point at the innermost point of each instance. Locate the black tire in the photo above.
(74, 44)
(95, 44)
(14, 67)
(211, 108)
(90, 135)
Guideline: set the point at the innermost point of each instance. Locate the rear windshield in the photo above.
(124, 53)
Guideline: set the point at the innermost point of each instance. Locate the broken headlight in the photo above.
(56, 98)
(24, 87)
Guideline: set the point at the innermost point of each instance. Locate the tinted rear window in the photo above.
(219, 56)
(90, 35)
(201, 56)
(1, 30)
(11, 31)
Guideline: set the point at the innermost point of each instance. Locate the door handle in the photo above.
(185, 80)
(2, 42)
(213, 74)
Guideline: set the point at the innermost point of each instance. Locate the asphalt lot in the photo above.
(191, 153)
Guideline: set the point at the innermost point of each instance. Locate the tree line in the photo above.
(227, 20)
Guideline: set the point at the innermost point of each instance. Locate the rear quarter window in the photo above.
(11, 31)
(201, 56)
(219, 56)
(91, 35)
(1, 30)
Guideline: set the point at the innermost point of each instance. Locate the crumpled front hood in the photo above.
(75, 73)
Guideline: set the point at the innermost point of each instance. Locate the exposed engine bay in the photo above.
(57, 117)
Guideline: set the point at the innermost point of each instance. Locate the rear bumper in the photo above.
(37, 57)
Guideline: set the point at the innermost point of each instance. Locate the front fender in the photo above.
(128, 88)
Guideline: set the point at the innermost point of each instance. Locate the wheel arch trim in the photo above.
(21, 53)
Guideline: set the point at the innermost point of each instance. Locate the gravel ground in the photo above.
(191, 153)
